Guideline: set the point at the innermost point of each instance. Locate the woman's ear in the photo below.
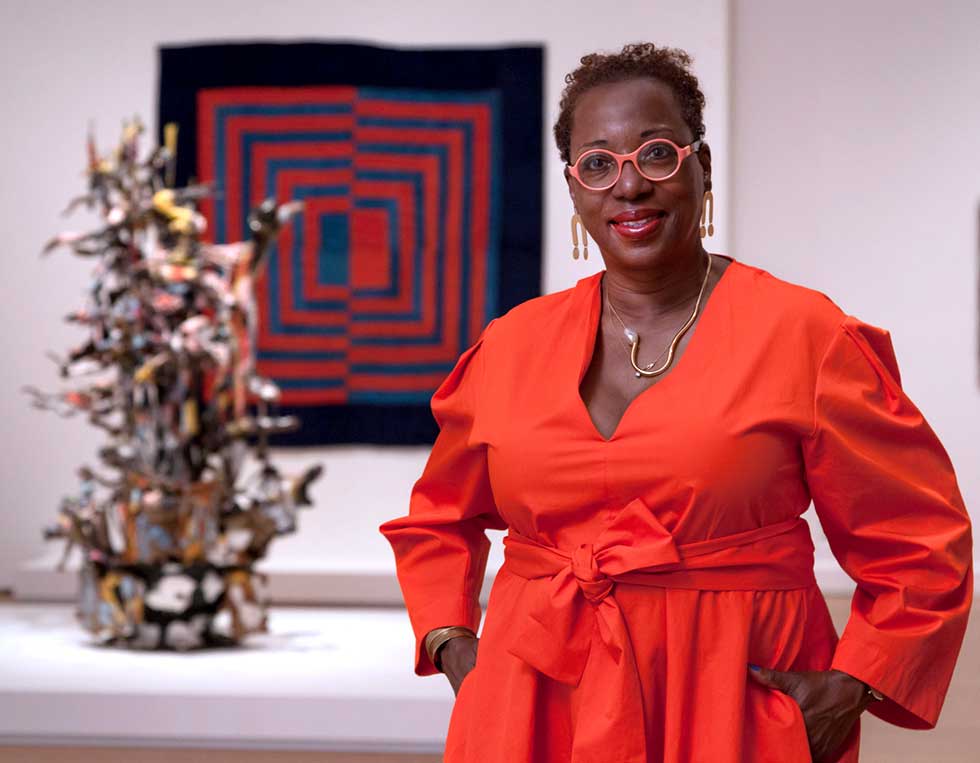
(704, 157)
(571, 183)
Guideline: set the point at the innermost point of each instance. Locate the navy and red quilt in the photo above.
(421, 173)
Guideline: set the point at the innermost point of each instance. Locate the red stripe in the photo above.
(479, 220)
(370, 253)
(274, 96)
(303, 369)
(330, 396)
(205, 155)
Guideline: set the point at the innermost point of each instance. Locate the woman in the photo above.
(657, 601)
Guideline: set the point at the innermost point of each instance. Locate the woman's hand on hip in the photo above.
(831, 702)
(457, 657)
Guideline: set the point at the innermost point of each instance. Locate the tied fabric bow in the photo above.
(570, 598)
(556, 635)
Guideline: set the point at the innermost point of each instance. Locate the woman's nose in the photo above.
(631, 183)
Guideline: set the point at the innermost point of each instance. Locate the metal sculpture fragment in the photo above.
(185, 498)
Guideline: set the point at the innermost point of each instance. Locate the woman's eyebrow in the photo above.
(659, 129)
(656, 130)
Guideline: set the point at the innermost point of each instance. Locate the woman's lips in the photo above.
(635, 226)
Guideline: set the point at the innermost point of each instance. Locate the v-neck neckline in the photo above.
(592, 338)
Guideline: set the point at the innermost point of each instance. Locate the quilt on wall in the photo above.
(421, 177)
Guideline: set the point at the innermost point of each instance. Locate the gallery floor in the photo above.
(325, 686)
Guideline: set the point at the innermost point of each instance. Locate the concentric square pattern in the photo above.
(391, 270)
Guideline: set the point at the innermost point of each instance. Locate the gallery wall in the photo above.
(856, 171)
(66, 65)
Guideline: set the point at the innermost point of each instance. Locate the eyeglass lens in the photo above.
(655, 161)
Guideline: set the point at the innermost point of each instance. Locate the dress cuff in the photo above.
(908, 701)
(464, 612)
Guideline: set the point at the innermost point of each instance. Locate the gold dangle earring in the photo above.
(708, 213)
(576, 224)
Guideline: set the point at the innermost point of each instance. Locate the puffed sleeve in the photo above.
(887, 498)
(441, 546)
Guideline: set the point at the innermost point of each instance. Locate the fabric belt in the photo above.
(570, 600)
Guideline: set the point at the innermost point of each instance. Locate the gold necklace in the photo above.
(627, 347)
(634, 339)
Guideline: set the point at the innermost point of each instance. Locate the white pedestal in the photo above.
(322, 679)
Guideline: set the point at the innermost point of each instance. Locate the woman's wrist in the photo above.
(869, 695)
(873, 694)
(439, 637)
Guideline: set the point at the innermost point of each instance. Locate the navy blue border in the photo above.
(517, 73)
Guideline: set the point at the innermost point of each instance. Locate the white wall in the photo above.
(64, 64)
(856, 146)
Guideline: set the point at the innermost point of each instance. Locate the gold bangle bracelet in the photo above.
(436, 638)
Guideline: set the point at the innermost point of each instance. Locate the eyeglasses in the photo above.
(658, 159)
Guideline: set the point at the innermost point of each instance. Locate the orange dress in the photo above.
(643, 572)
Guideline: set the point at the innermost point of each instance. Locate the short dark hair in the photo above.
(643, 60)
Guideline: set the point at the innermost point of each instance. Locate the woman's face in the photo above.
(637, 222)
